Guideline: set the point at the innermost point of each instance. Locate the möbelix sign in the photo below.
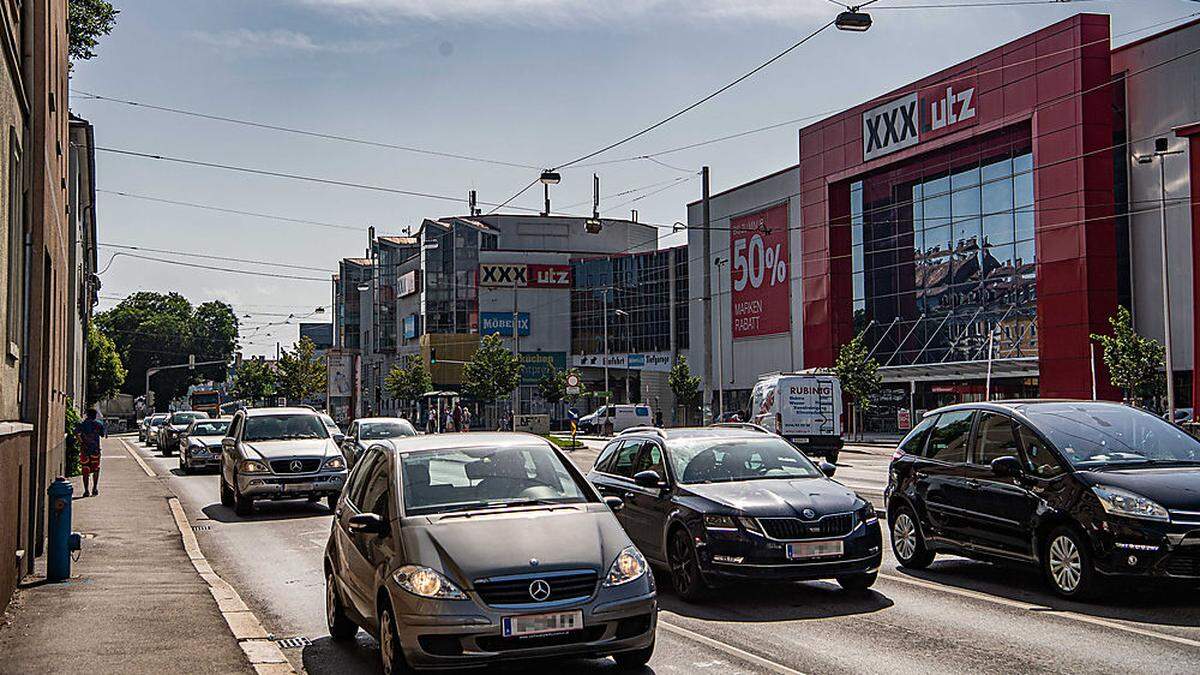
(920, 116)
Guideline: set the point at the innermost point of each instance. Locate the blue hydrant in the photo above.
(60, 539)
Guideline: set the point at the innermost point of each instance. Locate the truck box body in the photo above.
(805, 409)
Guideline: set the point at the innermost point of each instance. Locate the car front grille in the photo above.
(836, 525)
(515, 590)
(295, 465)
(1183, 563)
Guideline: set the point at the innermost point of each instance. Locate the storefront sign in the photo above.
(651, 361)
(549, 276)
(918, 117)
(501, 323)
(947, 107)
(537, 365)
(903, 420)
(410, 326)
(532, 275)
(407, 283)
(761, 293)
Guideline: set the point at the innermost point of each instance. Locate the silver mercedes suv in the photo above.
(279, 453)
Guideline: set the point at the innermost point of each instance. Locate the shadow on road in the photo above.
(1164, 604)
(772, 602)
(325, 656)
(291, 509)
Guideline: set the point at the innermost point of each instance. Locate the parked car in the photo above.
(805, 408)
(737, 503)
(615, 418)
(465, 549)
(366, 430)
(1088, 491)
(279, 453)
(1181, 415)
(200, 444)
(173, 426)
(153, 424)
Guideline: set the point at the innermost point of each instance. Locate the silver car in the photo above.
(279, 453)
(367, 430)
(466, 549)
(200, 444)
(154, 423)
(173, 426)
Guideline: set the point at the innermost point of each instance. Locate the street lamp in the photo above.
(853, 20)
(719, 262)
(1161, 152)
(547, 179)
(621, 312)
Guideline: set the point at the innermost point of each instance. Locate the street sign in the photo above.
(903, 421)
(572, 380)
(191, 361)
(572, 391)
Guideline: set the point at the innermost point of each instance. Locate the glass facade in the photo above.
(943, 254)
(451, 296)
(638, 285)
(351, 273)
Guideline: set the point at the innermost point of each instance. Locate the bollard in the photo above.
(58, 545)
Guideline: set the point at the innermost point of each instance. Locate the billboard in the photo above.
(522, 275)
(548, 276)
(339, 370)
(501, 323)
(761, 285)
(407, 283)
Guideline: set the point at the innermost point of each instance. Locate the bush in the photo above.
(71, 453)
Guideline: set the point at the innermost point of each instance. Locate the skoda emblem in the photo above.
(808, 514)
(295, 466)
(539, 590)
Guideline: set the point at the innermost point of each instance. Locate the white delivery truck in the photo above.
(805, 408)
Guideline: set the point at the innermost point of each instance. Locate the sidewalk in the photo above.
(134, 603)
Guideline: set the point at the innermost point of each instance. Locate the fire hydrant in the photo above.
(61, 541)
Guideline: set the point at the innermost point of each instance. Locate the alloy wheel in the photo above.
(684, 572)
(904, 536)
(330, 602)
(1065, 563)
(387, 642)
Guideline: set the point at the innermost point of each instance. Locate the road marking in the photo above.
(1043, 609)
(138, 458)
(263, 654)
(727, 648)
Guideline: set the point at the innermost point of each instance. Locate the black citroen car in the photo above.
(737, 503)
(1085, 490)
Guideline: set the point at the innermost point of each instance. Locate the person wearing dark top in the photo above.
(89, 432)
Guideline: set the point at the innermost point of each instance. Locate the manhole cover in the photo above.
(293, 642)
(201, 528)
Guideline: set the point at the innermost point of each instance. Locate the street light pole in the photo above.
(1161, 153)
(720, 343)
(628, 328)
(516, 402)
(606, 341)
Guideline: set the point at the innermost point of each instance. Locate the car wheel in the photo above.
(340, 626)
(858, 583)
(331, 502)
(242, 505)
(832, 455)
(1068, 564)
(226, 493)
(908, 544)
(390, 651)
(685, 567)
(636, 658)
(183, 467)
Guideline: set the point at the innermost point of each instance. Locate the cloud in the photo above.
(279, 40)
(558, 13)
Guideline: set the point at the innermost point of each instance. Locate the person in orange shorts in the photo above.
(89, 432)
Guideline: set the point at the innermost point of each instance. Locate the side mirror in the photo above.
(1007, 466)
(648, 479)
(614, 503)
(828, 468)
(367, 523)
(338, 438)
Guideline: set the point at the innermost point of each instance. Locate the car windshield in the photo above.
(370, 431)
(157, 419)
(464, 479)
(283, 427)
(186, 417)
(1093, 435)
(722, 460)
(210, 428)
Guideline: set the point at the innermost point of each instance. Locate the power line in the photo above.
(220, 209)
(1000, 3)
(194, 254)
(212, 268)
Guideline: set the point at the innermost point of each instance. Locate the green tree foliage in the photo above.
(493, 372)
(105, 372)
(87, 22)
(1135, 363)
(858, 373)
(72, 450)
(300, 373)
(684, 385)
(158, 329)
(552, 387)
(254, 381)
(409, 381)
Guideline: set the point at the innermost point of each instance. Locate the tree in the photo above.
(87, 22)
(858, 373)
(493, 371)
(553, 386)
(1135, 363)
(409, 381)
(300, 373)
(105, 372)
(254, 381)
(685, 386)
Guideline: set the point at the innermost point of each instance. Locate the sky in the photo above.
(534, 83)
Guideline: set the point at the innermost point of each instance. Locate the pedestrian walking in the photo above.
(89, 432)
(658, 419)
(466, 418)
(448, 421)
(457, 416)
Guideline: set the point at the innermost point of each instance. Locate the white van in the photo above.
(805, 408)
(615, 418)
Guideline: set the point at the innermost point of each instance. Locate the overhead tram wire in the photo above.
(181, 263)
(237, 212)
(126, 247)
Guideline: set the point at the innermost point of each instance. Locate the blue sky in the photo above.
(534, 82)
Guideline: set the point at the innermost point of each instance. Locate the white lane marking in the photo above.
(138, 458)
(1044, 610)
(727, 648)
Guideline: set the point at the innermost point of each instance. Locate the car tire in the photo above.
(341, 628)
(183, 467)
(226, 493)
(331, 502)
(391, 654)
(636, 658)
(242, 505)
(1067, 564)
(832, 455)
(908, 544)
(685, 567)
(857, 583)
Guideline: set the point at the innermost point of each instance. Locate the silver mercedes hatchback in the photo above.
(466, 549)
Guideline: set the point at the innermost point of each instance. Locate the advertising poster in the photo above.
(759, 273)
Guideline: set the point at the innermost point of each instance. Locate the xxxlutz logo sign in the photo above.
(917, 117)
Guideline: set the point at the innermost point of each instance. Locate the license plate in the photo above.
(814, 549)
(534, 624)
(297, 487)
(800, 440)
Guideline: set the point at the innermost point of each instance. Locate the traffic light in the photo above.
(432, 355)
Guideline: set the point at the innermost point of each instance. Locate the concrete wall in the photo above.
(537, 233)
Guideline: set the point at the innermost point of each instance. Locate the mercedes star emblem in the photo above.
(534, 562)
(539, 590)
(295, 466)
(809, 514)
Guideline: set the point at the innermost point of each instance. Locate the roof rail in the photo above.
(749, 426)
(643, 430)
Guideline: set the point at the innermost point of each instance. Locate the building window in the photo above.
(16, 247)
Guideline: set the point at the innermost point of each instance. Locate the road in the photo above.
(955, 617)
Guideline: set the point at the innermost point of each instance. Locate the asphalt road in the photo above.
(957, 616)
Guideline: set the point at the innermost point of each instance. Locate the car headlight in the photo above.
(718, 522)
(252, 466)
(1130, 504)
(866, 514)
(629, 566)
(335, 463)
(750, 524)
(427, 583)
